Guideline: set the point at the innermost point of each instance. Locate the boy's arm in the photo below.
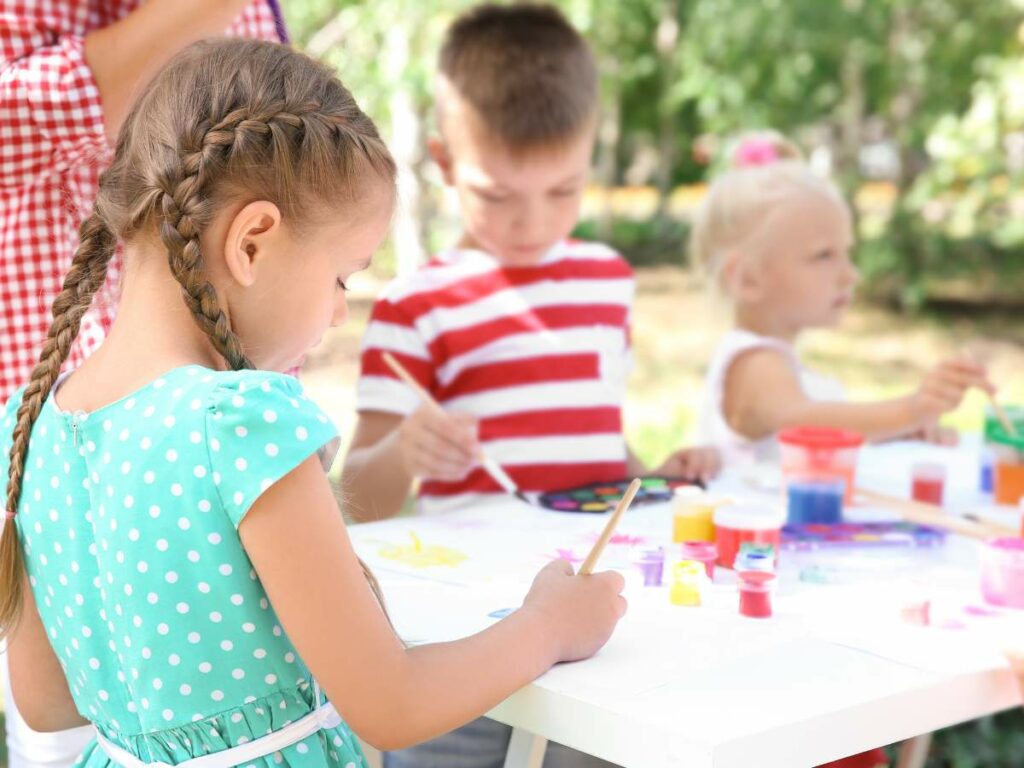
(763, 395)
(37, 681)
(390, 450)
(374, 480)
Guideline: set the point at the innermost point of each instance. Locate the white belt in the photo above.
(324, 716)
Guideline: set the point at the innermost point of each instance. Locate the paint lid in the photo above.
(750, 517)
(821, 437)
(699, 550)
(748, 562)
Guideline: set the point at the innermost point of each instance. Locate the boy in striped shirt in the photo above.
(521, 334)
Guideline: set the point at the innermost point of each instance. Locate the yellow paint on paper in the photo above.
(420, 555)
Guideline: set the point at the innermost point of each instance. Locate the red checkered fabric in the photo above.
(52, 148)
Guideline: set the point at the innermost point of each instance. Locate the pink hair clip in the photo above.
(9, 515)
(755, 151)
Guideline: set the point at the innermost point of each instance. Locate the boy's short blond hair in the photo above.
(527, 74)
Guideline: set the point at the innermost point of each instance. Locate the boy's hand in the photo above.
(438, 446)
(698, 463)
(944, 387)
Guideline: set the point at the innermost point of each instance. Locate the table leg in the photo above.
(914, 752)
(525, 750)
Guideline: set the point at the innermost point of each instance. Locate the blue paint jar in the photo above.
(986, 477)
(815, 501)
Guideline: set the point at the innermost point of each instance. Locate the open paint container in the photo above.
(703, 552)
(820, 455)
(739, 524)
(1002, 572)
(1008, 457)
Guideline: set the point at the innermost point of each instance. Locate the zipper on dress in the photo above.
(76, 418)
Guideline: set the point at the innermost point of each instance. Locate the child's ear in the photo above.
(248, 239)
(741, 278)
(439, 154)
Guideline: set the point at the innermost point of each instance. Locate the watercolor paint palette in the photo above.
(597, 498)
(892, 534)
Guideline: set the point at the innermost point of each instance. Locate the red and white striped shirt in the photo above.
(539, 354)
(52, 149)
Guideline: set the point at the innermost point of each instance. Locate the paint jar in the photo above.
(986, 470)
(692, 515)
(820, 453)
(650, 561)
(756, 588)
(1002, 572)
(703, 552)
(1008, 456)
(688, 580)
(753, 557)
(1008, 475)
(737, 524)
(818, 502)
(927, 483)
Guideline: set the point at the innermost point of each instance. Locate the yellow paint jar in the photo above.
(693, 515)
(688, 578)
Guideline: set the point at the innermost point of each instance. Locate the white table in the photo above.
(832, 673)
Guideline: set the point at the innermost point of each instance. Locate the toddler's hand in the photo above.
(580, 612)
(441, 446)
(944, 387)
(698, 463)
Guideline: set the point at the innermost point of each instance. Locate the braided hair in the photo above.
(225, 121)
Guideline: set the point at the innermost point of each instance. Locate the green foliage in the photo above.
(938, 80)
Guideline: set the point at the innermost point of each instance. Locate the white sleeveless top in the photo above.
(712, 427)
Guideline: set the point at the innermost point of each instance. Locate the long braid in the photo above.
(224, 118)
(86, 275)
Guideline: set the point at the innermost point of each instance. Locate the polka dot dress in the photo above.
(128, 520)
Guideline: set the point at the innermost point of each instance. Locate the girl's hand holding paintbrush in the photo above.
(580, 612)
(944, 387)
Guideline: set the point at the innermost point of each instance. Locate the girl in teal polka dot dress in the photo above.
(173, 567)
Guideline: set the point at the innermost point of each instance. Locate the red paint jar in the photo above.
(739, 524)
(756, 590)
(928, 482)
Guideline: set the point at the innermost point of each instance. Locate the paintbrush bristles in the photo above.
(595, 553)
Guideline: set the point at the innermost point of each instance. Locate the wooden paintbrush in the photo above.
(595, 553)
(928, 514)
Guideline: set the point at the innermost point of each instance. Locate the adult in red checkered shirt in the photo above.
(69, 70)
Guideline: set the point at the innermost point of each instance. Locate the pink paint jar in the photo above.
(820, 453)
(703, 552)
(1002, 572)
(741, 523)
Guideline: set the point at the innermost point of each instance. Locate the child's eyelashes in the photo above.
(341, 284)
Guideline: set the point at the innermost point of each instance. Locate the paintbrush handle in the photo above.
(929, 514)
(399, 370)
(1011, 430)
(490, 465)
(595, 553)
